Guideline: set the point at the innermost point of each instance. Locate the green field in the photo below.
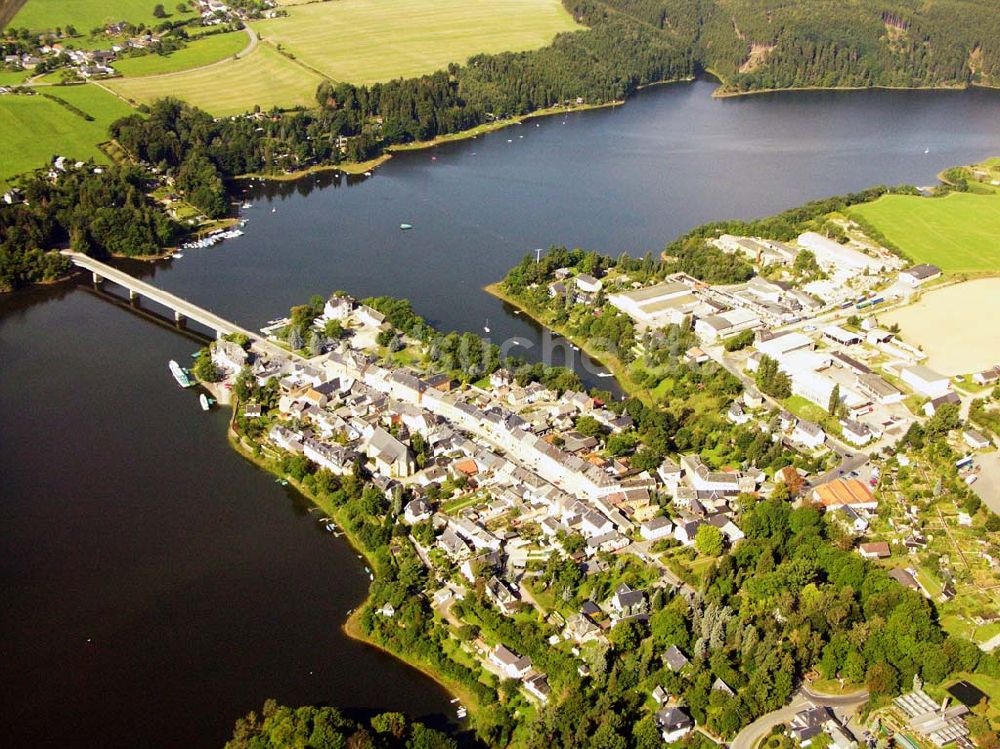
(44, 15)
(363, 41)
(12, 77)
(33, 129)
(263, 77)
(201, 52)
(960, 233)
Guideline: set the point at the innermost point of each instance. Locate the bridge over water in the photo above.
(182, 309)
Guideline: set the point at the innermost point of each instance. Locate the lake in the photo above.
(157, 586)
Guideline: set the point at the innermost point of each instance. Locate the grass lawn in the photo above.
(44, 15)
(362, 41)
(960, 232)
(33, 129)
(263, 77)
(200, 52)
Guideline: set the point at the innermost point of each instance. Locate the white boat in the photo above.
(604, 374)
(274, 210)
(330, 527)
(575, 348)
(368, 174)
(206, 402)
(177, 255)
(517, 312)
(927, 150)
(179, 374)
(247, 204)
(486, 327)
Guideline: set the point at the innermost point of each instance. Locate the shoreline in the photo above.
(359, 167)
(610, 362)
(351, 626)
(722, 93)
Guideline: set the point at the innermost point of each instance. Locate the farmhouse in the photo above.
(919, 274)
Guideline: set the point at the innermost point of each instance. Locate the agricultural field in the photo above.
(263, 77)
(211, 49)
(361, 41)
(13, 77)
(45, 15)
(960, 232)
(33, 129)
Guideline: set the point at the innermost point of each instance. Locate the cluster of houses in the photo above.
(511, 449)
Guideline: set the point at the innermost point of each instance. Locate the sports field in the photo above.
(43, 15)
(199, 52)
(33, 129)
(263, 77)
(364, 41)
(960, 233)
(954, 326)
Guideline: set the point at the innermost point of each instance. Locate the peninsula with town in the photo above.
(783, 532)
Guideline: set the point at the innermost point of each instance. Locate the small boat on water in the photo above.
(274, 210)
(575, 348)
(206, 402)
(604, 374)
(517, 312)
(486, 326)
(330, 527)
(368, 174)
(177, 255)
(180, 374)
(405, 227)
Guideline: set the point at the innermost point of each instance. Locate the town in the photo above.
(538, 502)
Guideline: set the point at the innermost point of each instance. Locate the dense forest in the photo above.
(327, 728)
(100, 212)
(762, 44)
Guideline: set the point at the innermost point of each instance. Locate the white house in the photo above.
(588, 284)
(808, 434)
(656, 529)
(510, 664)
(674, 724)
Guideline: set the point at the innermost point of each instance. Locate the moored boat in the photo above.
(180, 374)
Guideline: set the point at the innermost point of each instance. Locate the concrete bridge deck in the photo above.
(182, 308)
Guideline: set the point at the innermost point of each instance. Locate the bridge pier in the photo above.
(96, 278)
(133, 296)
(179, 319)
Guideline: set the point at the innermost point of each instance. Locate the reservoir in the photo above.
(156, 585)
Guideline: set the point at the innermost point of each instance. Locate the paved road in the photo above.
(749, 736)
